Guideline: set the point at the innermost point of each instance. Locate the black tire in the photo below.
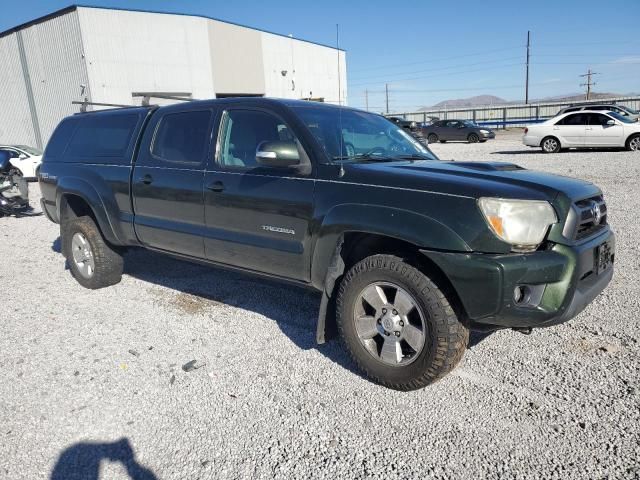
(633, 143)
(432, 138)
(108, 263)
(550, 145)
(445, 338)
(473, 138)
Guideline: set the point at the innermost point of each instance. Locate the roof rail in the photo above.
(85, 103)
(147, 96)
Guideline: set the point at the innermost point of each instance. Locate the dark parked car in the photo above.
(619, 109)
(406, 124)
(409, 252)
(457, 130)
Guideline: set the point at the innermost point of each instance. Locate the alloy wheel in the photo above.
(82, 255)
(390, 324)
(634, 144)
(550, 145)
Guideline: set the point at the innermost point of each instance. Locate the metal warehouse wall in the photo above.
(43, 68)
(312, 70)
(138, 51)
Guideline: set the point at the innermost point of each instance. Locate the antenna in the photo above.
(341, 174)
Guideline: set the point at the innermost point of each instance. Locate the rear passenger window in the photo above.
(60, 139)
(182, 137)
(100, 135)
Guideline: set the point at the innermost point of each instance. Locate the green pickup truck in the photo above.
(410, 252)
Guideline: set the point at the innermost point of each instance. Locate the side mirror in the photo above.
(278, 154)
(611, 122)
(22, 156)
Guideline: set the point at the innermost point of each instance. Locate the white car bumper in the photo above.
(531, 140)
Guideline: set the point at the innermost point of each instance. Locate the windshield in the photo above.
(622, 118)
(30, 150)
(354, 135)
(628, 110)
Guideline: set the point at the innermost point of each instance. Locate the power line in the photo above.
(436, 59)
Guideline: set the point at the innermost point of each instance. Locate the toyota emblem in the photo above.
(596, 213)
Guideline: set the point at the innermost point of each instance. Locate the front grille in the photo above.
(587, 217)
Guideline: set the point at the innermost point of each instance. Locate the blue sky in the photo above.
(428, 51)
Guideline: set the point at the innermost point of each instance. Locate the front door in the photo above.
(168, 180)
(257, 217)
(600, 134)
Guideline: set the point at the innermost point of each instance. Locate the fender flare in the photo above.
(83, 189)
(328, 265)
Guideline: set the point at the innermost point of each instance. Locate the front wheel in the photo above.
(473, 138)
(550, 145)
(92, 261)
(397, 325)
(633, 144)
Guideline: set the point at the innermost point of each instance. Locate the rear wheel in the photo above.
(397, 325)
(92, 261)
(473, 138)
(432, 138)
(550, 145)
(633, 143)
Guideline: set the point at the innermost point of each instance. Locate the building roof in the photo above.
(71, 8)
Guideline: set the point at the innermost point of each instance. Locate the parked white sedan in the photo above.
(584, 129)
(26, 159)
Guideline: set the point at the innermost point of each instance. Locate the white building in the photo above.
(105, 55)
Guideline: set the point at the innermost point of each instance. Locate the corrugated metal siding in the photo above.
(136, 51)
(15, 119)
(56, 66)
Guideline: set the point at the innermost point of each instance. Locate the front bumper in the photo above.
(487, 136)
(561, 281)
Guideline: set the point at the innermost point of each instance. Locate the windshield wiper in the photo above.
(414, 156)
(365, 156)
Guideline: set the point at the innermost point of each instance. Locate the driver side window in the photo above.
(242, 132)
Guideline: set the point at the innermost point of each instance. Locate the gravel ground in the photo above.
(92, 382)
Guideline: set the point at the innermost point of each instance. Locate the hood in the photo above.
(471, 179)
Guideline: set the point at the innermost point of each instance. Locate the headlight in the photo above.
(486, 132)
(522, 223)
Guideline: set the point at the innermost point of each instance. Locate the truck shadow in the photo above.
(83, 460)
(294, 309)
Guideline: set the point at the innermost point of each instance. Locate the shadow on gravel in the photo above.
(82, 461)
(476, 337)
(294, 309)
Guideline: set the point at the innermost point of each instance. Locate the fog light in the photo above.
(521, 294)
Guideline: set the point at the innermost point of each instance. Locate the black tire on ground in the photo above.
(633, 143)
(550, 145)
(445, 338)
(432, 138)
(108, 263)
(473, 138)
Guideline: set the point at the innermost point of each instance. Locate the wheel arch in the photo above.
(341, 245)
(76, 197)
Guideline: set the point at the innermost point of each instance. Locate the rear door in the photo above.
(571, 130)
(168, 178)
(599, 134)
(257, 217)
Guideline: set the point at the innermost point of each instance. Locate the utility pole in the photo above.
(589, 83)
(366, 99)
(526, 90)
(386, 92)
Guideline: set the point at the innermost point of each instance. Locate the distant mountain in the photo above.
(488, 100)
(476, 101)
